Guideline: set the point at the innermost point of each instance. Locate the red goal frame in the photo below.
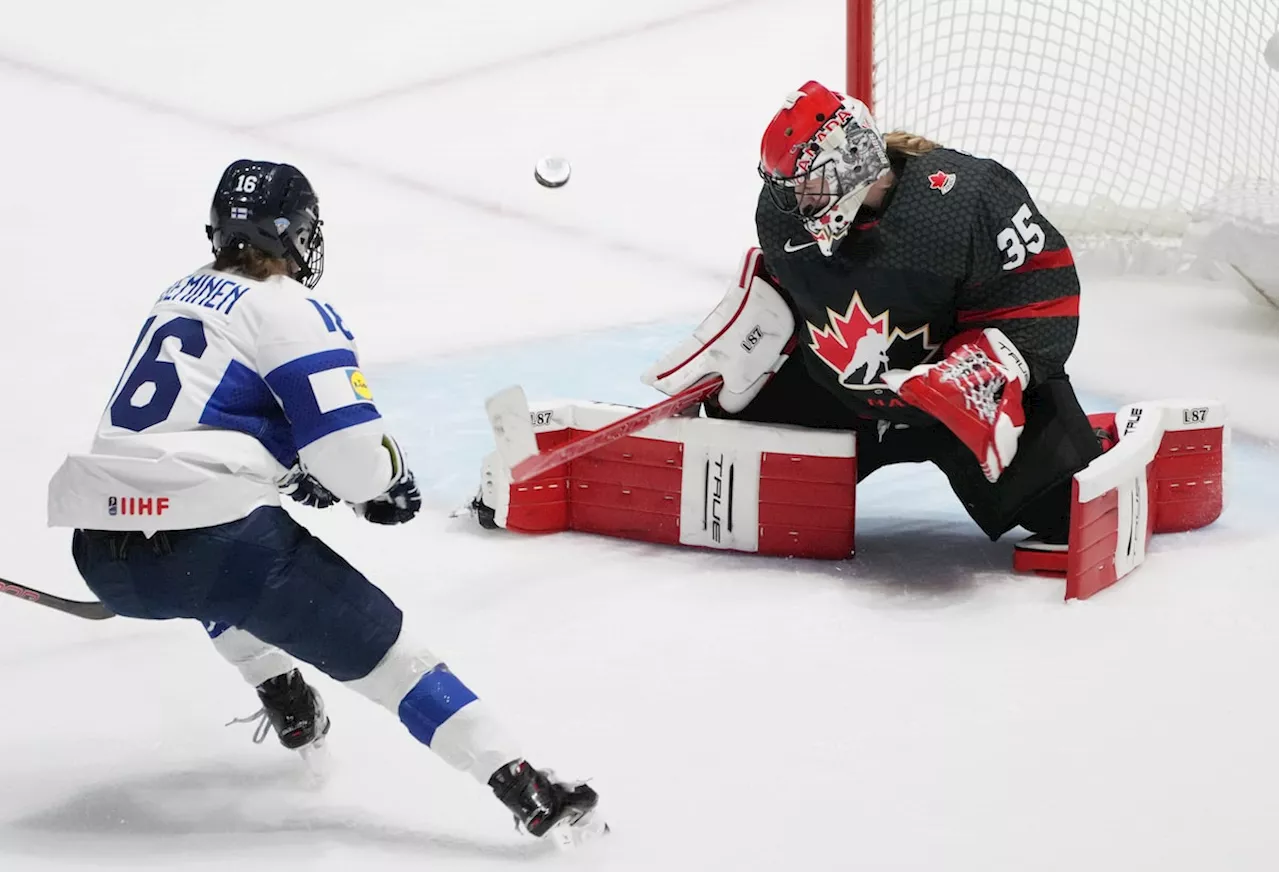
(859, 60)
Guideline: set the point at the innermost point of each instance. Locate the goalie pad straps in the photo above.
(689, 481)
(745, 339)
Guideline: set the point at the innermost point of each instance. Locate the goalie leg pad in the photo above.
(1164, 476)
(702, 482)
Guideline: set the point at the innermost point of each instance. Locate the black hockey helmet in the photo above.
(273, 208)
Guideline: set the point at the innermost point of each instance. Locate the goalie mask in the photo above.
(819, 157)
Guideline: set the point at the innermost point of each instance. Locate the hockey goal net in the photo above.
(1122, 118)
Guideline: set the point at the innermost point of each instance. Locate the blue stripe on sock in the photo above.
(432, 701)
(216, 629)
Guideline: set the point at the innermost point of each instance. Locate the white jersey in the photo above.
(229, 383)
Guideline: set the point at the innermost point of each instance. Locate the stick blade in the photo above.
(508, 412)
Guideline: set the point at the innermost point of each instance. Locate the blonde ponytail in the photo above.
(898, 142)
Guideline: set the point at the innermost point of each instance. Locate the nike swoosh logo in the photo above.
(787, 246)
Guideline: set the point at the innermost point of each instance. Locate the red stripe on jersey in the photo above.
(1063, 307)
(1047, 260)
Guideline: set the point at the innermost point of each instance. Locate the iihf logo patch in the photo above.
(942, 181)
(137, 505)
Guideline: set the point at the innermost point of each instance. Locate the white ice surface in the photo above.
(917, 708)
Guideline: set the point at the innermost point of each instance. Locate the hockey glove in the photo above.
(305, 488)
(976, 391)
(402, 499)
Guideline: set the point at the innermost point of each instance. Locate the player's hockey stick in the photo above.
(513, 429)
(91, 610)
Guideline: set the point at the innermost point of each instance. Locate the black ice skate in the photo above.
(484, 515)
(293, 708)
(541, 804)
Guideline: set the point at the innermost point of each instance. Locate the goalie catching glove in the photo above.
(744, 340)
(401, 500)
(976, 392)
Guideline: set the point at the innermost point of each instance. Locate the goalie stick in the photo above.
(513, 429)
(91, 610)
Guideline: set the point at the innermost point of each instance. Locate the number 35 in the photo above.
(1023, 236)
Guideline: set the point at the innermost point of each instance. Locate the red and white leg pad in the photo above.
(1164, 475)
(704, 482)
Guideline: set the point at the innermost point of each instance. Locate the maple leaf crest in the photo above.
(942, 181)
(857, 345)
(853, 341)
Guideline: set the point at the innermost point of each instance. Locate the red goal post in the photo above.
(1122, 118)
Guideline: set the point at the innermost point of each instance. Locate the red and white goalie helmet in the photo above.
(819, 156)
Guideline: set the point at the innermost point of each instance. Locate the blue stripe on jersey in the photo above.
(432, 701)
(292, 384)
(243, 402)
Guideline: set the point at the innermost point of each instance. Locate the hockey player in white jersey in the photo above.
(242, 384)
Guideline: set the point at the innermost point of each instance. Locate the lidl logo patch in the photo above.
(358, 385)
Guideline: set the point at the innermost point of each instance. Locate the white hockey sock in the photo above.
(438, 709)
(256, 660)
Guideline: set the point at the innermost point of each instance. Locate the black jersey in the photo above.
(957, 245)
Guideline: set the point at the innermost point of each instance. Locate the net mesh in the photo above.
(1121, 118)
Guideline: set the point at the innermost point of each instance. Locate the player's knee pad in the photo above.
(704, 482)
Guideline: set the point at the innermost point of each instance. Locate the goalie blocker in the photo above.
(766, 489)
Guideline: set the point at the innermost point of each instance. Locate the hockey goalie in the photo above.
(907, 303)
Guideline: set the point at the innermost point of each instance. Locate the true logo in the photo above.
(1135, 415)
(717, 490)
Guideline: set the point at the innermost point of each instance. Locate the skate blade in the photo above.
(318, 762)
(569, 835)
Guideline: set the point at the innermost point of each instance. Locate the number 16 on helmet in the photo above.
(273, 208)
